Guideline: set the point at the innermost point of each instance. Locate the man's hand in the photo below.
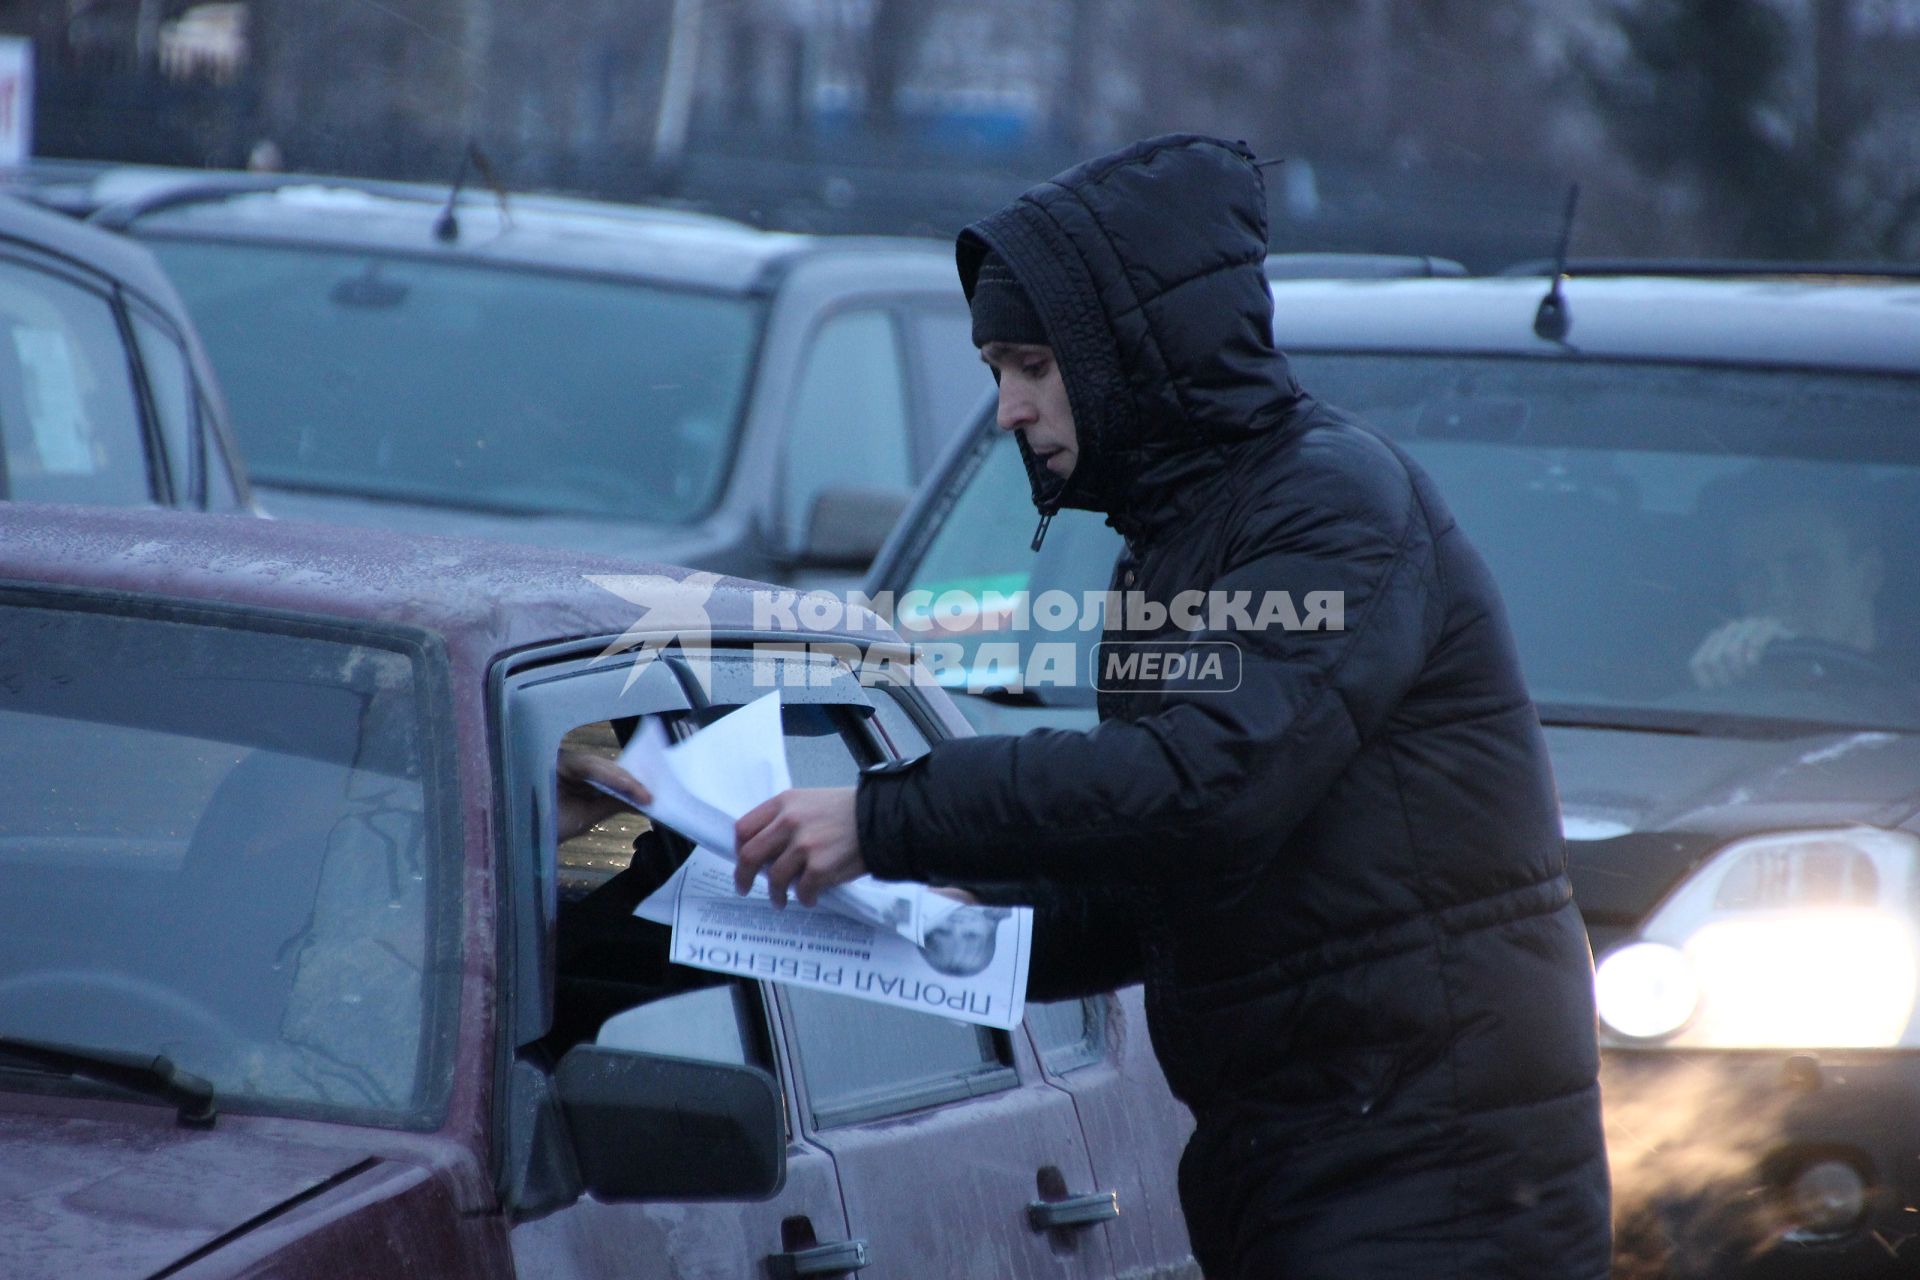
(808, 841)
(1730, 653)
(584, 806)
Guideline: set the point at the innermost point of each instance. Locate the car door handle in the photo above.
(1074, 1211)
(836, 1259)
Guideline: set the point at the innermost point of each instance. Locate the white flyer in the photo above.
(900, 944)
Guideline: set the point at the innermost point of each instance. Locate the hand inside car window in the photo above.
(580, 775)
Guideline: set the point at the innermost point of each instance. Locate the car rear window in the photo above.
(485, 387)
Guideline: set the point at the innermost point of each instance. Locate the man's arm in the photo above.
(1086, 938)
(1214, 776)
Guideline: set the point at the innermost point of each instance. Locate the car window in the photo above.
(983, 549)
(222, 493)
(861, 1059)
(858, 1059)
(849, 424)
(612, 968)
(1067, 1033)
(903, 736)
(491, 388)
(714, 1024)
(614, 984)
(175, 403)
(68, 413)
(951, 375)
(217, 846)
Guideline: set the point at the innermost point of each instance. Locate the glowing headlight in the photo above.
(1805, 939)
(1646, 990)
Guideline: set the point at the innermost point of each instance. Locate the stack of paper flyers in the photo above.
(899, 944)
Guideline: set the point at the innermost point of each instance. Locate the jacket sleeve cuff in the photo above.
(884, 842)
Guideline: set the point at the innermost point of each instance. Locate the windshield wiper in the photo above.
(151, 1074)
(1703, 724)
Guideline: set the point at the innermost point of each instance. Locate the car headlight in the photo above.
(1800, 940)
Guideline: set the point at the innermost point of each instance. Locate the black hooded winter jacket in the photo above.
(1342, 882)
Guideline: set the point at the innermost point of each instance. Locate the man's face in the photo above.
(1033, 401)
(1797, 566)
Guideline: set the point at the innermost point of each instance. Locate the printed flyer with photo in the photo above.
(905, 945)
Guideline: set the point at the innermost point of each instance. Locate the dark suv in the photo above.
(1700, 501)
(607, 378)
(105, 395)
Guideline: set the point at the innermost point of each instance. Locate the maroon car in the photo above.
(294, 981)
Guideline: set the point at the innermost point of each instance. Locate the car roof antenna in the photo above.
(446, 228)
(1553, 321)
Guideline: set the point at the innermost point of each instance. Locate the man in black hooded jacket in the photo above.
(1342, 882)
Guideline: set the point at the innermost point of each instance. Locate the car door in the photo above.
(847, 456)
(1097, 1052)
(944, 1134)
(578, 969)
(949, 378)
(945, 1137)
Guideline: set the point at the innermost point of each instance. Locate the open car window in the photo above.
(615, 984)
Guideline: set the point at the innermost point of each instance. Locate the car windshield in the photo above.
(1698, 546)
(218, 845)
(494, 388)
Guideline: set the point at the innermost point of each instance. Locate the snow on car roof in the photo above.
(540, 231)
(1789, 321)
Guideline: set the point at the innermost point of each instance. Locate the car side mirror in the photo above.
(648, 1127)
(847, 526)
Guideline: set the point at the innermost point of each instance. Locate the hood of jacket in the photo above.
(1147, 268)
